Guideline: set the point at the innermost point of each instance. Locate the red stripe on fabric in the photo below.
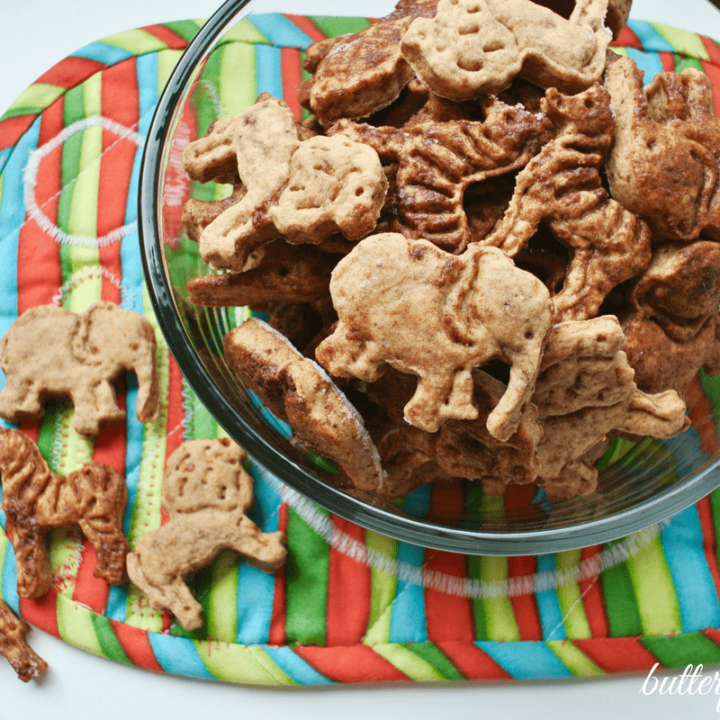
(136, 645)
(307, 26)
(70, 72)
(472, 662)
(518, 503)
(31, 428)
(527, 615)
(42, 612)
(709, 540)
(176, 413)
(39, 273)
(627, 38)
(349, 589)
(12, 129)
(712, 48)
(668, 61)
(165, 35)
(277, 634)
(449, 617)
(290, 61)
(616, 655)
(353, 664)
(89, 590)
(712, 634)
(592, 597)
(120, 103)
(713, 72)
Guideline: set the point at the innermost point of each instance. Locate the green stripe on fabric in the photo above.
(574, 659)
(684, 41)
(146, 513)
(237, 89)
(166, 62)
(109, 644)
(241, 664)
(20, 111)
(136, 42)
(222, 599)
(656, 597)
(622, 612)
(186, 29)
(336, 26)
(478, 606)
(39, 95)
(306, 574)
(683, 649)
(432, 655)
(500, 623)
(383, 588)
(76, 627)
(623, 52)
(415, 667)
(571, 606)
(244, 31)
(715, 509)
(684, 63)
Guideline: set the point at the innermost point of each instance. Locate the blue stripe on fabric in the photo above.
(417, 502)
(256, 589)
(525, 660)
(407, 622)
(686, 451)
(682, 543)
(268, 70)
(649, 63)
(650, 38)
(9, 579)
(551, 617)
(178, 656)
(279, 30)
(295, 667)
(117, 603)
(103, 53)
(12, 217)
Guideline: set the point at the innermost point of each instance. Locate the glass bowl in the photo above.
(640, 483)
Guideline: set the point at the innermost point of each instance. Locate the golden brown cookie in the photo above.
(407, 304)
(298, 391)
(562, 187)
(664, 163)
(13, 645)
(303, 190)
(207, 493)
(50, 352)
(35, 501)
(359, 74)
(474, 47)
(672, 316)
(438, 161)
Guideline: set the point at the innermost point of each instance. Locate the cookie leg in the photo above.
(17, 399)
(34, 576)
(111, 547)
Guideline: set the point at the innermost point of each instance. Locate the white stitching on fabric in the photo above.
(30, 182)
(92, 273)
(450, 584)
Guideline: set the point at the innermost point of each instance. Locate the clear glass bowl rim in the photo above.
(407, 529)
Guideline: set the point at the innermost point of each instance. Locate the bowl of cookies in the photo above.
(451, 271)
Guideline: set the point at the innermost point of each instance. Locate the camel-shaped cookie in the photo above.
(474, 47)
(664, 163)
(35, 501)
(14, 646)
(302, 190)
(206, 493)
(407, 304)
(50, 352)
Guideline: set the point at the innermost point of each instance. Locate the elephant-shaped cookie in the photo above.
(411, 306)
(50, 352)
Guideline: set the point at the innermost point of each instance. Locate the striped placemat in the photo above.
(351, 605)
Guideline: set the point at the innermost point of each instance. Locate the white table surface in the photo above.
(35, 35)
